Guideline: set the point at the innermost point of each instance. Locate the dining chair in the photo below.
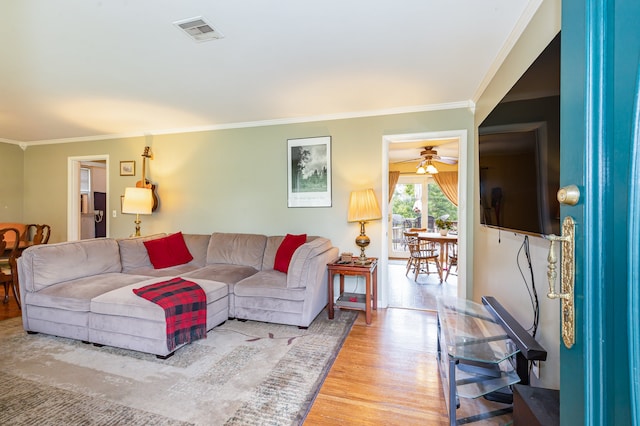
(37, 234)
(9, 241)
(421, 254)
(453, 258)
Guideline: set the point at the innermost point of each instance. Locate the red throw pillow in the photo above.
(168, 251)
(286, 250)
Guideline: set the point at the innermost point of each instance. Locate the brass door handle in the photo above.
(567, 277)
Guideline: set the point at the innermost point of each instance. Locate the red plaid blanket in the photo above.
(185, 308)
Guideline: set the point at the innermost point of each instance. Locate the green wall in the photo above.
(11, 182)
(231, 180)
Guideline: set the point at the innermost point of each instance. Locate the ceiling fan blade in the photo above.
(407, 161)
(447, 160)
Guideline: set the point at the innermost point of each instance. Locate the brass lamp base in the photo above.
(137, 222)
(362, 241)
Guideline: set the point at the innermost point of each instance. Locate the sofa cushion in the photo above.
(47, 264)
(123, 302)
(299, 265)
(197, 245)
(171, 271)
(133, 253)
(289, 245)
(237, 249)
(269, 258)
(271, 283)
(76, 295)
(229, 274)
(168, 251)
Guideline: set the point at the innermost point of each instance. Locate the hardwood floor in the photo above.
(387, 373)
(8, 310)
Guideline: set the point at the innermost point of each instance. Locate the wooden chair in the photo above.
(9, 241)
(37, 234)
(421, 253)
(453, 258)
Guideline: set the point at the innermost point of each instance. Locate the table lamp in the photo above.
(137, 201)
(363, 207)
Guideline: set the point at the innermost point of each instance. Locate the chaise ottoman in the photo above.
(122, 319)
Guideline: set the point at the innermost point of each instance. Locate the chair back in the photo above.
(418, 248)
(38, 234)
(453, 250)
(21, 227)
(9, 240)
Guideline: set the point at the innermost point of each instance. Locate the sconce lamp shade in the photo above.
(363, 206)
(137, 201)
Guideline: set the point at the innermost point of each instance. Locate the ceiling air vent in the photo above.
(198, 29)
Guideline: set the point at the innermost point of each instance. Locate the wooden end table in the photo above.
(355, 300)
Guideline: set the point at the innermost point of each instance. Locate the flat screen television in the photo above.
(519, 152)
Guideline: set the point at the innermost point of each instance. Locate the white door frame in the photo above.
(73, 193)
(464, 228)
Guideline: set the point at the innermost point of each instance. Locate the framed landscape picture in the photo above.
(309, 172)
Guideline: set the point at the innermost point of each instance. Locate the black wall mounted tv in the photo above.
(519, 152)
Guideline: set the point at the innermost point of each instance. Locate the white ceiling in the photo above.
(79, 69)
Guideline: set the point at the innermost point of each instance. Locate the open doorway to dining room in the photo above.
(418, 198)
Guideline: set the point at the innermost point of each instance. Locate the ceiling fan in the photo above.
(428, 156)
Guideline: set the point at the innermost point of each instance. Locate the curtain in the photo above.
(448, 183)
(393, 180)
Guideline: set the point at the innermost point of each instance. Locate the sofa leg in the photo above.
(86, 342)
(303, 328)
(98, 345)
(241, 319)
(165, 356)
(31, 332)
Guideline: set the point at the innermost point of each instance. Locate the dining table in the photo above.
(442, 240)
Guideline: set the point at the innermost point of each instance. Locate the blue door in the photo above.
(600, 374)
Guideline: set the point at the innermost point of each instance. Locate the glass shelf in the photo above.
(474, 352)
(471, 333)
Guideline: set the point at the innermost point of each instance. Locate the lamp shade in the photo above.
(431, 169)
(137, 201)
(363, 206)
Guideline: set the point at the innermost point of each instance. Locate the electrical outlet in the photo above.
(535, 367)
(115, 213)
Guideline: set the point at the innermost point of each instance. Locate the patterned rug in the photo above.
(243, 373)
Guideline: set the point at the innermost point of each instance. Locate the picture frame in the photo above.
(128, 168)
(309, 172)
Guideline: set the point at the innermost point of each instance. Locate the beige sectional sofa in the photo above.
(83, 289)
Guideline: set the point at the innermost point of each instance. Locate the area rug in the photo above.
(243, 373)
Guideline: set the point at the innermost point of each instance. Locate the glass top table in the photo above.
(478, 352)
(471, 333)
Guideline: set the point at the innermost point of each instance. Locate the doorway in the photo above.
(393, 268)
(87, 195)
(416, 202)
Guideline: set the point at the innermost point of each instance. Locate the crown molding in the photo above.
(275, 122)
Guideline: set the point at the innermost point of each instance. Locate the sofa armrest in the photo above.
(301, 266)
(317, 290)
